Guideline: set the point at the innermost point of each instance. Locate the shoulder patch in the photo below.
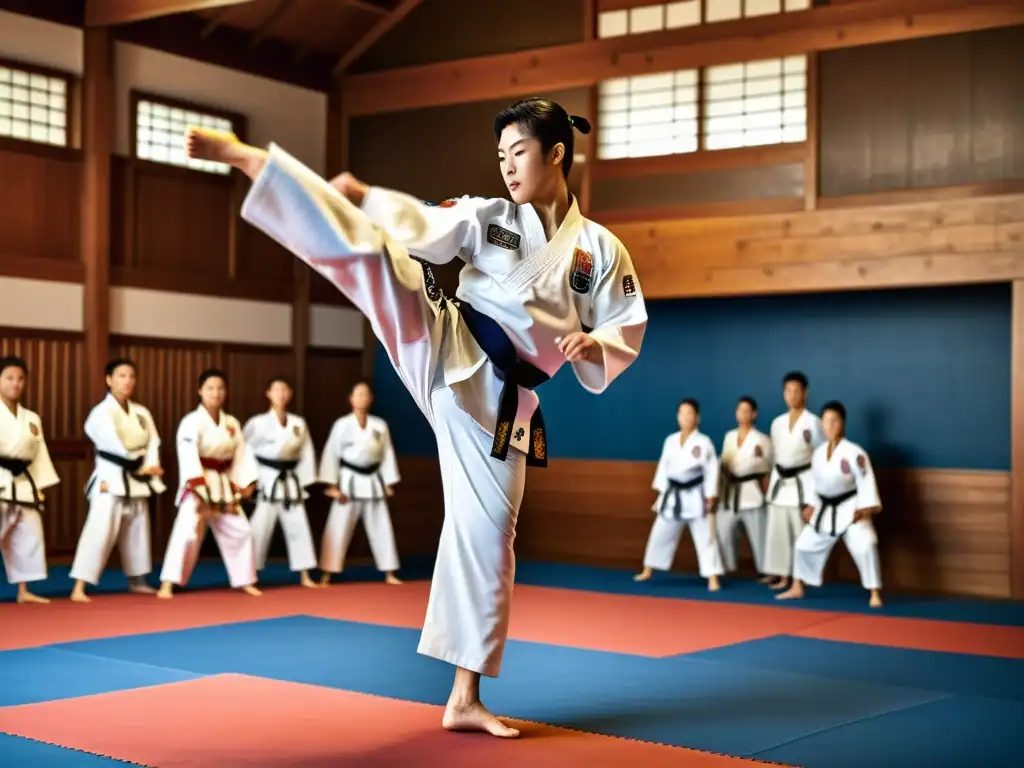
(33, 429)
(758, 452)
(581, 272)
(807, 436)
(142, 420)
(844, 467)
(628, 286)
(696, 451)
(503, 238)
(862, 463)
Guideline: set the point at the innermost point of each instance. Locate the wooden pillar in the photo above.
(98, 105)
(589, 33)
(1017, 444)
(813, 123)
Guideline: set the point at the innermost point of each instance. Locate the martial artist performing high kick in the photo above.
(25, 471)
(537, 277)
(126, 477)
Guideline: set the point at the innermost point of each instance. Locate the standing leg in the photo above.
(662, 544)
(182, 549)
(705, 542)
(298, 538)
(23, 548)
(471, 591)
(727, 522)
(778, 555)
(101, 529)
(134, 545)
(810, 555)
(262, 522)
(754, 521)
(341, 524)
(234, 539)
(377, 522)
(861, 540)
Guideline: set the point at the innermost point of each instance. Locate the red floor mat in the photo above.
(234, 720)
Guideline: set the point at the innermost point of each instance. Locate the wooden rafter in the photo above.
(215, 22)
(377, 31)
(263, 31)
(581, 65)
(105, 13)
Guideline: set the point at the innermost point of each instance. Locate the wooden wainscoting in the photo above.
(944, 531)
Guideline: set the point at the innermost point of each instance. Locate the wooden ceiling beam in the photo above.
(263, 31)
(376, 32)
(215, 22)
(106, 13)
(586, 64)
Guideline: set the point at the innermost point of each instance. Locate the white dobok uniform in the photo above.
(25, 470)
(787, 489)
(840, 485)
(125, 442)
(287, 466)
(214, 466)
(518, 293)
(743, 500)
(687, 475)
(361, 462)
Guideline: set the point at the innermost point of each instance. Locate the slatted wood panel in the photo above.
(56, 387)
(248, 370)
(942, 531)
(916, 244)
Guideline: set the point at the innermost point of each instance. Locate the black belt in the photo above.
(831, 503)
(371, 470)
(285, 469)
(733, 485)
(19, 468)
(129, 468)
(675, 489)
(514, 372)
(788, 473)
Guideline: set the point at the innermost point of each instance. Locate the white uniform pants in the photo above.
(298, 538)
(664, 541)
(22, 544)
(471, 591)
(113, 520)
(234, 538)
(813, 549)
(784, 525)
(341, 524)
(754, 521)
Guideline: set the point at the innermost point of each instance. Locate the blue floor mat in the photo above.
(16, 752)
(717, 707)
(960, 732)
(843, 597)
(950, 673)
(46, 674)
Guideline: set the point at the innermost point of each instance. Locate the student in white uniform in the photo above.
(124, 482)
(283, 449)
(360, 469)
(25, 472)
(841, 503)
(687, 484)
(794, 435)
(216, 471)
(541, 286)
(746, 465)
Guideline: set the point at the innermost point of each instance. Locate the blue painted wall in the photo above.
(924, 374)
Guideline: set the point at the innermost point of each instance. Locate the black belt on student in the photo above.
(831, 503)
(371, 470)
(675, 490)
(733, 485)
(514, 372)
(285, 470)
(129, 468)
(19, 468)
(788, 473)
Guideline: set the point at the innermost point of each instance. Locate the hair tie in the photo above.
(571, 120)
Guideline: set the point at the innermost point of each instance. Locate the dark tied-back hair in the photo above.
(545, 121)
(283, 379)
(116, 363)
(212, 373)
(797, 376)
(10, 361)
(836, 407)
(692, 403)
(749, 401)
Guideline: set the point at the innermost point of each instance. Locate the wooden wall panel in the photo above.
(248, 370)
(934, 243)
(39, 198)
(56, 389)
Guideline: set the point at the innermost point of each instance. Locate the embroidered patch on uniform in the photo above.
(628, 286)
(231, 431)
(807, 436)
(582, 271)
(758, 452)
(502, 238)
(33, 429)
(451, 202)
(142, 420)
(520, 434)
(377, 434)
(844, 465)
(296, 431)
(862, 463)
(696, 451)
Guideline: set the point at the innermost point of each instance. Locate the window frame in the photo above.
(72, 131)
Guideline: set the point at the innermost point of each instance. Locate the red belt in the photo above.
(218, 465)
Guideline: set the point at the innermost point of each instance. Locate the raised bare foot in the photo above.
(251, 590)
(644, 575)
(166, 591)
(224, 147)
(713, 584)
(392, 579)
(475, 717)
(28, 597)
(796, 592)
(876, 599)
